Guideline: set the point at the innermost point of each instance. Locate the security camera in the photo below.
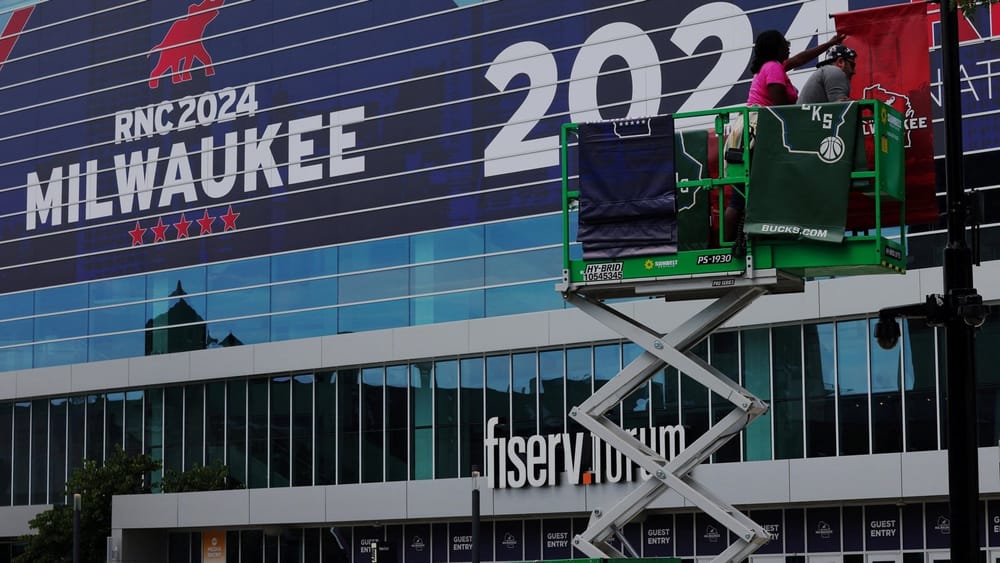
(887, 333)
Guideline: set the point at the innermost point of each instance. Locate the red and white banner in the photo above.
(893, 65)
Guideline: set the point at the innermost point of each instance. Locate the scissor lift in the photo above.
(733, 281)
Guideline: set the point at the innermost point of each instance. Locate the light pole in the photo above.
(475, 514)
(76, 527)
(959, 310)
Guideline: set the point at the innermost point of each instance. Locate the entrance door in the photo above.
(826, 559)
(884, 558)
(939, 557)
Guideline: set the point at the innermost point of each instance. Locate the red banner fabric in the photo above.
(893, 65)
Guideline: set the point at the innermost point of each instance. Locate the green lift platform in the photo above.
(866, 137)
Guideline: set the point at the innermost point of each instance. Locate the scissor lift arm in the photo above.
(732, 284)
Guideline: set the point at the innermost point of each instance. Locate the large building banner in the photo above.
(139, 136)
(893, 66)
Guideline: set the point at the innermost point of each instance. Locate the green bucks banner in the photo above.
(801, 171)
(691, 163)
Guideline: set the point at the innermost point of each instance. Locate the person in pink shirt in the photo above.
(770, 65)
(771, 86)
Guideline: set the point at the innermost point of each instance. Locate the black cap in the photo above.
(837, 52)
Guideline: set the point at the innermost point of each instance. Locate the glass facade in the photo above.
(828, 384)
(455, 274)
(464, 273)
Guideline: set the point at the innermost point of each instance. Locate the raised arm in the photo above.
(799, 59)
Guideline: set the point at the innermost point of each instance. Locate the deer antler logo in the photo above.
(183, 44)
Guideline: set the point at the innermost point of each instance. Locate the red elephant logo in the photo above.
(183, 44)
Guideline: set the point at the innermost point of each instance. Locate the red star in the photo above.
(137, 234)
(182, 227)
(229, 219)
(206, 223)
(159, 230)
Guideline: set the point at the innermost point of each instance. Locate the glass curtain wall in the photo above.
(828, 383)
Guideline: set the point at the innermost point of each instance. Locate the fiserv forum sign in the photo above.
(538, 461)
(146, 135)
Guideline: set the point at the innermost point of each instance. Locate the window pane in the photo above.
(309, 264)
(550, 392)
(58, 410)
(635, 407)
(375, 285)
(326, 428)
(887, 404)
(786, 359)
(524, 233)
(175, 283)
(374, 254)
(441, 245)
(114, 420)
(921, 386)
(756, 352)
(725, 356)
(22, 452)
(133, 422)
(257, 442)
(694, 401)
(215, 422)
(153, 432)
(6, 451)
(302, 429)
(459, 306)
(236, 430)
(446, 419)
(95, 428)
(527, 298)
(348, 420)
(173, 429)
(523, 397)
(852, 376)
(579, 373)
(306, 324)
(56, 299)
(240, 273)
(523, 266)
(372, 421)
(16, 332)
(498, 391)
(397, 420)
(238, 333)
(14, 305)
(446, 276)
(374, 316)
(39, 451)
(232, 304)
(987, 379)
(422, 420)
(115, 291)
(821, 392)
(471, 415)
(304, 295)
(77, 436)
(71, 325)
(194, 425)
(280, 442)
(665, 397)
(183, 312)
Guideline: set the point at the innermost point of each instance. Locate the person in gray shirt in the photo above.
(832, 81)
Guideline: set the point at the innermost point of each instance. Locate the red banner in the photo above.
(893, 65)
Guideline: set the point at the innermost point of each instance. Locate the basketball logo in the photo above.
(831, 149)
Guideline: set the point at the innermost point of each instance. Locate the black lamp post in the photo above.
(76, 527)
(959, 310)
